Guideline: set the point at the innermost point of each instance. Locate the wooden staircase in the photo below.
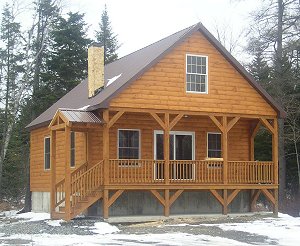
(85, 190)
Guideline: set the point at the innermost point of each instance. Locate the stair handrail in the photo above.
(86, 183)
(60, 186)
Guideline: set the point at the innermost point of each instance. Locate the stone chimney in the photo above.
(95, 68)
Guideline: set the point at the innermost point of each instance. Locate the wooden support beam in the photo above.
(167, 203)
(105, 148)
(175, 120)
(232, 123)
(67, 173)
(158, 120)
(114, 197)
(225, 150)
(269, 196)
(225, 199)
(254, 198)
(267, 124)
(60, 126)
(175, 196)
(158, 197)
(232, 196)
(275, 151)
(167, 149)
(113, 120)
(105, 203)
(217, 196)
(216, 122)
(53, 171)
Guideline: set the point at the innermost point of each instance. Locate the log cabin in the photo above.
(167, 129)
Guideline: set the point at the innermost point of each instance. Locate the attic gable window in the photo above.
(196, 73)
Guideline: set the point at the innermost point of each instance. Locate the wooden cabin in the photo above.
(168, 129)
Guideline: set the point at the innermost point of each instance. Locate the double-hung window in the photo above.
(214, 149)
(47, 153)
(196, 73)
(128, 144)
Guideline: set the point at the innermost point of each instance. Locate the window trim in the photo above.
(47, 169)
(72, 132)
(196, 92)
(210, 158)
(190, 133)
(118, 136)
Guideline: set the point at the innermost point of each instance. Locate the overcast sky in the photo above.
(141, 22)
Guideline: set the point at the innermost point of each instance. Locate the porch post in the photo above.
(225, 150)
(275, 161)
(53, 170)
(105, 149)
(67, 172)
(167, 148)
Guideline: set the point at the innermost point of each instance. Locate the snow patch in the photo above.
(9, 213)
(110, 81)
(84, 107)
(54, 222)
(31, 216)
(104, 228)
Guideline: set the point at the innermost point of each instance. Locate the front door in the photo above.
(182, 147)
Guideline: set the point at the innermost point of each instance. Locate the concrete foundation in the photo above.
(40, 201)
(132, 203)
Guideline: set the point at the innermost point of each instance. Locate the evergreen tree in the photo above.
(107, 38)
(66, 65)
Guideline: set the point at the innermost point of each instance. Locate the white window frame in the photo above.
(139, 131)
(47, 169)
(175, 133)
(206, 87)
(209, 158)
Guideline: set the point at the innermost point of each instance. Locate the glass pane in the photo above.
(189, 59)
(72, 158)
(47, 161)
(47, 145)
(194, 70)
(184, 147)
(188, 86)
(194, 60)
(214, 145)
(72, 140)
(160, 147)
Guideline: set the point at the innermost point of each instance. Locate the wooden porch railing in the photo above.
(250, 172)
(135, 171)
(139, 171)
(86, 183)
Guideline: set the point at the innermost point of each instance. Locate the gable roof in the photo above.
(131, 67)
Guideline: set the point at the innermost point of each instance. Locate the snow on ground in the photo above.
(126, 239)
(31, 216)
(54, 222)
(279, 231)
(285, 228)
(104, 228)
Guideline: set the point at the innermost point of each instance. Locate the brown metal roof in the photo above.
(133, 66)
(80, 116)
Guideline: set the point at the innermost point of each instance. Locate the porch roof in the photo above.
(74, 116)
(80, 116)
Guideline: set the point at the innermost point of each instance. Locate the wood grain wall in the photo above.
(163, 86)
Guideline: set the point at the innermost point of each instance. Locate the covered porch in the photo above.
(161, 173)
